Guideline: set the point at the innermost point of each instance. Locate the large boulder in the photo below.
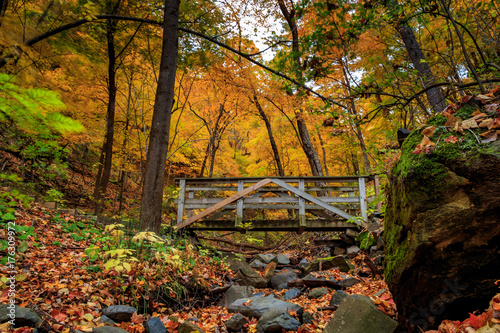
(358, 314)
(442, 230)
(256, 306)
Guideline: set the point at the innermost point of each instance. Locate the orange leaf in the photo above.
(137, 319)
(429, 131)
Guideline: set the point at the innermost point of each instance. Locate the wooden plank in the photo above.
(269, 200)
(311, 198)
(180, 204)
(224, 203)
(362, 199)
(272, 189)
(239, 207)
(313, 179)
(309, 206)
(276, 225)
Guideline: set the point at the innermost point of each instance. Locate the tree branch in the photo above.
(31, 42)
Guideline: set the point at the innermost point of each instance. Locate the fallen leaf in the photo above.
(469, 123)
(451, 139)
(489, 137)
(490, 108)
(451, 120)
(429, 131)
(488, 123)
(137, 319)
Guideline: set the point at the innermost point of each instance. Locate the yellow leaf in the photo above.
(127, 266)
(88, 317)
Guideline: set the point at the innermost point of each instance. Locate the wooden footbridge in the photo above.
(277, 203)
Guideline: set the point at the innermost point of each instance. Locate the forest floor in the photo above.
(68, 271)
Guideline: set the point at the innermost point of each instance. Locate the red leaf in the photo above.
(478, 321)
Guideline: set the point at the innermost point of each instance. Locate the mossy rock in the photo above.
(441, 227)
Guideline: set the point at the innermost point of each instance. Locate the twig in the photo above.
(478, 141)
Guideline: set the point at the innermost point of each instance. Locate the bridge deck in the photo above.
(278, 203)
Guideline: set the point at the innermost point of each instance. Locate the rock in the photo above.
(189, 327)
(265, 258)
(358, 314)
(281, 259)
(234, 293)
(256, 263)
(236, 322)
(338, 251)
(106, 320)
(432, 273)
(347, 239)
(275, 321)
(288, 295)
(327, 263)
(352, 251)
(351, 233)
(235, 260)
(248, 277)
(318, 292)
(119, 313)
(307, 318)
(258, 305)
(155, 325)
(402, 134)
(23, 316)
(326, 280)
(379, 260)
(282, 278)
(337, 297)
(258, 294)
(349, 282)
(108, 329)
(282, 286)
(303, 263)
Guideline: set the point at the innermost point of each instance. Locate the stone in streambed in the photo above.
(275, 321)
(256, 306)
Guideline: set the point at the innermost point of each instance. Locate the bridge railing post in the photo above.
(362, 198)
(239, 207)
(302, 208)
(180, 207)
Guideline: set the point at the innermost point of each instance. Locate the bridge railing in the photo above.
(213, 200)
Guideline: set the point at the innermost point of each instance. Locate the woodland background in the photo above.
(76, 106)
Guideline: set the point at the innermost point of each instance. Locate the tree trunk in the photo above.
(324, 152)
(308, 148)
(102, 182)
(152, 193)
(434, 95)
(274, 147)
(3, 9)
(306, 143)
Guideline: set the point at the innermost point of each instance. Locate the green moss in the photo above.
(466, 111)
(436, 121)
